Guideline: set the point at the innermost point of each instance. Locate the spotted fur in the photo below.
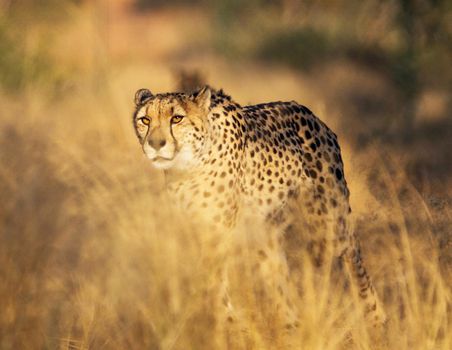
(276, 161)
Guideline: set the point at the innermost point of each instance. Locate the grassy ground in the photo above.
(91, 259)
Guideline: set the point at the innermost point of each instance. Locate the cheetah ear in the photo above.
(141, 96)
(202, 98)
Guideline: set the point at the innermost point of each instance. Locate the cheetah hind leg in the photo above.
(362, 286)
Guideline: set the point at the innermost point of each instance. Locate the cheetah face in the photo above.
(172, 127)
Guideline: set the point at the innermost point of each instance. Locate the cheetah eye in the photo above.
(177, 119)
(145, 120)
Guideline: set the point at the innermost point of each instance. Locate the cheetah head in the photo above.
(171, 127)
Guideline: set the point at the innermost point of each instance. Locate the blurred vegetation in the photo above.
(423, 55)
(408, 42)
(299, 48)
(151, 4)
(25, 39)
(15, 65)
(413, 48)
(418, 58)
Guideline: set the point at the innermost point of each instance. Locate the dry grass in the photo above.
(90, 258)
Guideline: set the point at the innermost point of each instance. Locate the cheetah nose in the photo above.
(157, 144)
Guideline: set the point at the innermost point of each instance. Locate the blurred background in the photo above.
(87, 257)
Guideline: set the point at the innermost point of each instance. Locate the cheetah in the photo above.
(276, 160)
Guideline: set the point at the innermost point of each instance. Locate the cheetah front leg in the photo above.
(230, 324)
(274, 286)
(256, 293)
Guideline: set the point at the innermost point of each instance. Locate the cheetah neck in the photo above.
(218, 172)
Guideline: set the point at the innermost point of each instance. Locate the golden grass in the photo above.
(90, 257)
